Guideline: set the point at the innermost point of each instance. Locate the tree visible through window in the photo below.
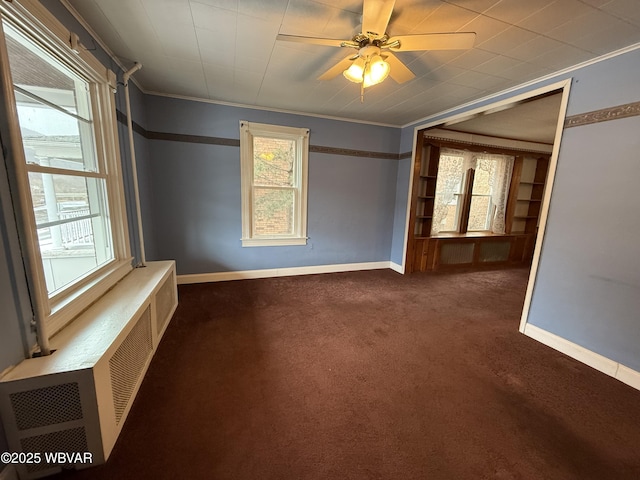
(274, 166)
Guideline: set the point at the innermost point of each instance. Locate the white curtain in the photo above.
(499, 181)
(451, 169)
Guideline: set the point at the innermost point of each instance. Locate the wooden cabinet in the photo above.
(469, 250)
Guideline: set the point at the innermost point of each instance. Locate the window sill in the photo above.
(273, 242)
(68, 308)
(468, 234)
(446, 235)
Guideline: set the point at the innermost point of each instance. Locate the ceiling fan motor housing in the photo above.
(362, 40)
(369, 51)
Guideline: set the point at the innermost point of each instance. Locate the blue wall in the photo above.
(15, 316)
(588, 287)
(400, 211)
(16, 337)
(195, 191)
(402, 195)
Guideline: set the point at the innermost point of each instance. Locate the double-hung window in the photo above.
(471, 192)
(67, 169)
(274, 163)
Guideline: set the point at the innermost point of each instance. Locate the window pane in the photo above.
(273, 211)
(481, 206)
(273, 161)
(73, 226)
(53, 109)
(448, 189)
(480, 213)
(35, 71)
(484, 177)
(52, 138)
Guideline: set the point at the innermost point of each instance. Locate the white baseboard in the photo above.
(9, 473)
(588, 357)
(396, 268)
(279, 272)
(628, 376)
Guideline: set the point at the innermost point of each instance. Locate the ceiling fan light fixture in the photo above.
(376, 71)
(355, 71)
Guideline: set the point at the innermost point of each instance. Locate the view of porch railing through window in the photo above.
(66, 179)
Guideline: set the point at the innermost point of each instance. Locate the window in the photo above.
(67, 171)
(274, 184)
(471, 192)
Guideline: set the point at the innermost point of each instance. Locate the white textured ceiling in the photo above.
(533, 120)
(226, 50)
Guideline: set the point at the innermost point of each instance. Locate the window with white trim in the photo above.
(68, 170)
(274, 162)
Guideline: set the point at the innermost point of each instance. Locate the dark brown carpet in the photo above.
(370, 375)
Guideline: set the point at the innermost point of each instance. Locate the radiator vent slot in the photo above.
(494, 251)
(456, 253)
(165, 300)
(46, 406)
(128, 362)
(70, 441)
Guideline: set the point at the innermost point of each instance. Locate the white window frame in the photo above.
(301, 138)
(37, 23)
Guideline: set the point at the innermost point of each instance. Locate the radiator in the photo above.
(495, 251)
(452, 253)
(78, 398)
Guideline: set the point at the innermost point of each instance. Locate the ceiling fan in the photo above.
(374, 59)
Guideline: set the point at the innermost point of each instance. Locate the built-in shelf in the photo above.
(427, 251)
(526, 192)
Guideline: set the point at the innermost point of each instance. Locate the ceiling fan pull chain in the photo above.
(364, 72)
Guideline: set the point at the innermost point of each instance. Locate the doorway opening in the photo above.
(481, 183)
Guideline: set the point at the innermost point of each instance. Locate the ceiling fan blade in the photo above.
(433, 41)
(376, 15)
(398, 70)
(337, 69)
(330, 42)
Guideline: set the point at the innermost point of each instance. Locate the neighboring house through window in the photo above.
(274, 163)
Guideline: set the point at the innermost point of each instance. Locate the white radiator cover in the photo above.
(78, 398)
